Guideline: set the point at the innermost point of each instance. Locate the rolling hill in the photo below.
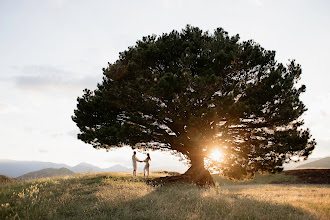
(14, 169)
(85, 168)
(294, 164)
(48, 172)
(321, 163)
(117, 168)
(5, 179)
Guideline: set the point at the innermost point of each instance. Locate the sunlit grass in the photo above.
(119, 196)
(314, 199)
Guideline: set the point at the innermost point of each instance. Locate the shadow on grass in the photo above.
(191, 202)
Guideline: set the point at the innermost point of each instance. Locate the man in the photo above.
(134, 160)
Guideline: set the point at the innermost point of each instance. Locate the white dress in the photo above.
(146, 167)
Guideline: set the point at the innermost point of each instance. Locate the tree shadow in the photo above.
(190, 202)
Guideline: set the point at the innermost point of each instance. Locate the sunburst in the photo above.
(216, 155)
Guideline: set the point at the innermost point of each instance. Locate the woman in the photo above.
(146, 167)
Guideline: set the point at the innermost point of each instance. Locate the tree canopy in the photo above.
(194, 91)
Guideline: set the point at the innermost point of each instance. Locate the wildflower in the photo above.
(5, 205)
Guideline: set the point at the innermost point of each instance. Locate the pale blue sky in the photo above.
(50, 50)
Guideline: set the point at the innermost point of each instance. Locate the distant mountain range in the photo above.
(13, 168)
(48, 172)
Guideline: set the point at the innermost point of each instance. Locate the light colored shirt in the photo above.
(134, 160)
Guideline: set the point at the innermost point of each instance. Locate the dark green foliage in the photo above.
(192, 91)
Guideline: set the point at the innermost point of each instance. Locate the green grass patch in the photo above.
(277, 178)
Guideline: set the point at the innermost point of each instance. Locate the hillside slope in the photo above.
(5, 179)
(48, 172)
(294, 164)
(322, 163)
(13, 168)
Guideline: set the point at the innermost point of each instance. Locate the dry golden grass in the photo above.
(118, 196)
(312, 199)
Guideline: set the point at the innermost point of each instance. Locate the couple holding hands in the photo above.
(146, 167)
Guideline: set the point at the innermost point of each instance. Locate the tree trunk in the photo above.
(195, 174)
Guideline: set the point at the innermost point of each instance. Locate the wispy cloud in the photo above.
(43, 78)
(40, 150)
(71, 134)
(40, 70)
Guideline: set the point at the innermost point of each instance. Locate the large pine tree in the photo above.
(192, 92)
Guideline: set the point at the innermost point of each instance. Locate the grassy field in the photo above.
(118, 196)
(259, 179)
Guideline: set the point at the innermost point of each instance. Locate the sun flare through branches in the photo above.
(216, 155)
(214, 159)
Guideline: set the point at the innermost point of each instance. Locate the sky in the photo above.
(50, 50)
